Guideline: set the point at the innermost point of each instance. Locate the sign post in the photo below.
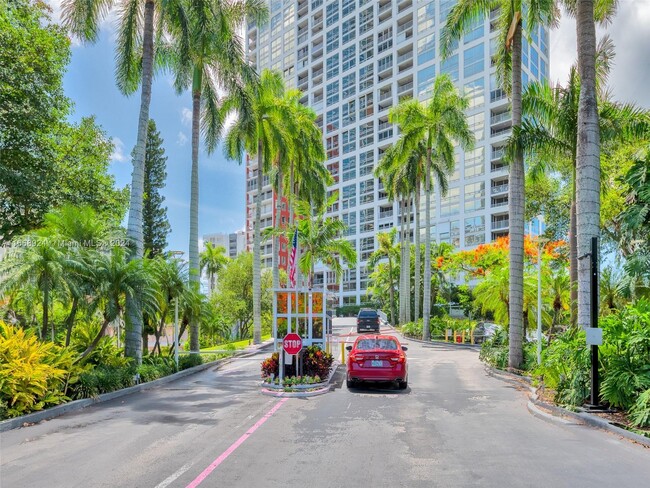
(291, 345)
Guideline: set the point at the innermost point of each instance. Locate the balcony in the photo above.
(403, 5)
(498, 202)
(500, 224)
(498, 153)
(501, 119)
(384, 8)
(404, 58)
(385, 214)
(497, 94)
(500, 132)
(407, 87)
(404, 27)
(502, 188)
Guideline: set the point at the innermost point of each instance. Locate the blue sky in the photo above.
(90, 83)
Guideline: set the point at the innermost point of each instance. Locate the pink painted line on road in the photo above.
(197, 481)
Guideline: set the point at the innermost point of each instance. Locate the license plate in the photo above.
(376, 363)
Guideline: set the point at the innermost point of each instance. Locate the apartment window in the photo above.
(543, 38)
(450, 204)
(366, 191)
(332, 66)
(473, 60)
(366, 248)
(332, 120)
(366, 163)
(349, 141)
(426, 16)
(524, 51)
(276, 5)
(366, 77)
(276, 49)
(366, 107)
(276, 24)
(475, 31)
(475, 231)
(445, 8)
(366, 137)
(477, 125)
(349, 197)
(332, 144)
(349, 113)
(289, 15)
(349, 31)
(349, 85)
(350, 219)
(534, 62)
(475, 162)
(332, 39)
(348, 7)
(425, 81)
(264, 54)
(426, 49)
(475, 92)
(365, 20)
(365, 49)
(450, 66)
(349, 168)
(289, 38)
(332, 13)
(349, 57)
(384, 40)
(385, 63)
(315, 4)
(455, 175)
(334, 171)
(333, 93)
(367, 220)
(475, 196)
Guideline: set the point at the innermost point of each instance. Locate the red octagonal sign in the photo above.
(292, 343)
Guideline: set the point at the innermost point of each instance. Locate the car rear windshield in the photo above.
(367, 313)
(385, 344)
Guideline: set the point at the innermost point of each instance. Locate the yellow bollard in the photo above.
(463, 337)
(446, 335)
(455, 336)
(343, 352)
(471, 336)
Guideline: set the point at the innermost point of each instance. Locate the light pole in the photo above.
(176, 253)
(540, 244)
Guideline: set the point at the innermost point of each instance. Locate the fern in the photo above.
(640, 411)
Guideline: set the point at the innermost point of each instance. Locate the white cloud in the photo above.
(181, 140)
(186, 116)
(118, 151)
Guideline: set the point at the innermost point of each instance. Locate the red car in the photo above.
(376, 357)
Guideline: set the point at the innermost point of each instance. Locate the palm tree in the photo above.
(42, 264)
(210, 55)
(116, 278)
(462, 17)
(320, 241)
(259, 128)
(432, 127)
(213, 260)
(549, 134)
(170, 276)
(135, 54)
(386, 249)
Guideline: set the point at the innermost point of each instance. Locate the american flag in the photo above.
(292, 260)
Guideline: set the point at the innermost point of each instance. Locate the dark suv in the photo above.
(367, 320)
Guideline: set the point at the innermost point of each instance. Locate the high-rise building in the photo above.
(234, 243)
(353, 60)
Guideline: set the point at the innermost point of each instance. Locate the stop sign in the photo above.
(292, 343)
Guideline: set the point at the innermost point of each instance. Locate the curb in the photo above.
(563, 416)
(75, 405)
(304, 394)
(473, 347)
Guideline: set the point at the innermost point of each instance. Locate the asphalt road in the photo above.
(454, 426)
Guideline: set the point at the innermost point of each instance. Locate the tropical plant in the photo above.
(386, 249)
(462, 17)
(213, 260)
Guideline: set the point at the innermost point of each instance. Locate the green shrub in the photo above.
(33, 374)
(353, 310)
(104, 379)
(105, 353)
(640, 411)
(316, 362)
(412, 329)
(189, 361)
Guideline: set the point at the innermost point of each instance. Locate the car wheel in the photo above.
(403, 384)
(350, 383)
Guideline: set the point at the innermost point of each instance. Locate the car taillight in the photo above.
(356, 358)
(398, 359)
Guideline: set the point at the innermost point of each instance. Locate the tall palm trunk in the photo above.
(46, 309)
(416, 312)
(69, 323)
(257, 252)
(391, 291)
(588, 160)
(195, 273)
(516, 209)
(402, 260)
(573, 253)
(407, 276)
(426, 306)
(276, 238)
(133, 339)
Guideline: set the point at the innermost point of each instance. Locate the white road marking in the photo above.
(170, 479)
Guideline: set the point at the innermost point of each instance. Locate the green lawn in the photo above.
(236, 345)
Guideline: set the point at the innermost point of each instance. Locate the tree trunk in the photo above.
(402, 266)
(517, 202)
(133, 339)
(195, 273)
(573, 254)
(257, 257)
(407, 278)
(391, 291)
(416, 291)
(46, 303)
(69, 322)
(588, 160)
(278, 225)
(95, 341)
(426, 306)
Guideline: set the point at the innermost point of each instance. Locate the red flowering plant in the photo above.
(317, 362)
(271, 366)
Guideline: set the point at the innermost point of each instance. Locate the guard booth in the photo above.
(303, 311)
